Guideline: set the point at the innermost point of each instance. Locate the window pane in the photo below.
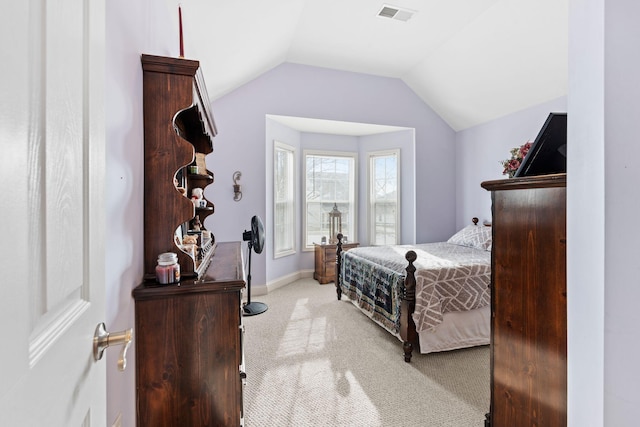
(383, 198)
(385, 224)
(283, 183)
(329, 180)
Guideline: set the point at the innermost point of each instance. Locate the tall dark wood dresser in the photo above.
(528, 302)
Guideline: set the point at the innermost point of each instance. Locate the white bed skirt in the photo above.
(458, 330)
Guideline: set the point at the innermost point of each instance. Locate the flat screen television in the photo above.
(548, 153)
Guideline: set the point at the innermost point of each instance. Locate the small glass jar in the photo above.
(168, 269)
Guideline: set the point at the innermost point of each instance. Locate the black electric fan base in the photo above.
(253, 308)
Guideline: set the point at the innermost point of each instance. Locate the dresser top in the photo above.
(225, 273)
(541, 181)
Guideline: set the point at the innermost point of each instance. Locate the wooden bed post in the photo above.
(338, 265)
(408, 332)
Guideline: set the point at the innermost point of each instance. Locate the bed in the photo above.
(432, 295)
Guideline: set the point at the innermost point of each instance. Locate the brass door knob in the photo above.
(103, 339)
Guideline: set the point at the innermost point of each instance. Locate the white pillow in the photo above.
(473, 236)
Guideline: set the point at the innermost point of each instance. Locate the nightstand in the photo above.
(325, 270)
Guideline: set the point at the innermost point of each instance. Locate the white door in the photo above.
(52, 212)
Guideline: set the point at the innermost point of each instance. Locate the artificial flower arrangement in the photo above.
(517, 155)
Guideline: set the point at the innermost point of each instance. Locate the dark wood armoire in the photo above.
(528, 302)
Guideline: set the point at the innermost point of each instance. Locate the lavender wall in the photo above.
(304, 91)
(132, 28)
(480, 149)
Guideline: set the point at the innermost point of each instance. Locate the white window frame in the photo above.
(372, 220)
(351, 217)
(289, 246)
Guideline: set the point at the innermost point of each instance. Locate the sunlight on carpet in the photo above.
(314, 361)
(303, 334)
(312, 391)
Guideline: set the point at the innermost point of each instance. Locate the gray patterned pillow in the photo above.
(473, 236)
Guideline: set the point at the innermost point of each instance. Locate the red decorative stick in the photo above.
(181, 42)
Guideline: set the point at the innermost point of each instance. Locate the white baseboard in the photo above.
(281, 281)
(258, 290)
(290, 278)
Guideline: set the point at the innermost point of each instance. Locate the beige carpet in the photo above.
(312, 360)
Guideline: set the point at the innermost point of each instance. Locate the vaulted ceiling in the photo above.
(470, 60)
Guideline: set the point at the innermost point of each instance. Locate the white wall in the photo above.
(586, 214)
(622, 204)
(603, 271)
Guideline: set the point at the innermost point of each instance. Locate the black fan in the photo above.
(255, 239)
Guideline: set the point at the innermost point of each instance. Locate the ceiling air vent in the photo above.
(394, 12)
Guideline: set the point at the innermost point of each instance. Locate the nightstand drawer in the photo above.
(325, 261)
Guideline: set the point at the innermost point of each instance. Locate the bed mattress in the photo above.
(449, 279)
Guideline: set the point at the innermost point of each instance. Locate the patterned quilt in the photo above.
(449, 277)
